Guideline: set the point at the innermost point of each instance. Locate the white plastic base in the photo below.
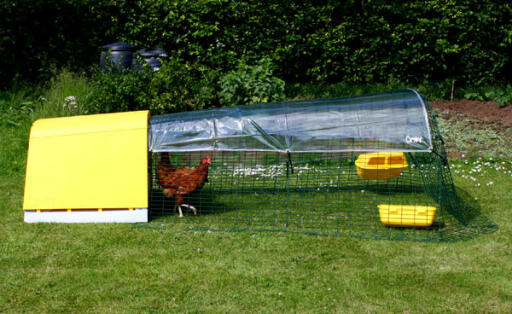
(105, 216)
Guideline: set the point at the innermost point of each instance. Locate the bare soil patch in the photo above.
(480, 110)
(475, 128)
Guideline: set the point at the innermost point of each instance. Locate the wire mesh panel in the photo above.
(369, 166)
(321, 193)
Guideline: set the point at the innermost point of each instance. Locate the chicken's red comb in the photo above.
(207, 159)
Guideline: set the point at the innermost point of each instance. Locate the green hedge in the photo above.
(38, 36)
(176, 87)
(469, 41)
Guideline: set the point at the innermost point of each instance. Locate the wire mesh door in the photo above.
(321, 193)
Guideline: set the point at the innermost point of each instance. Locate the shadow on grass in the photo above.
(207, 202)
(477, 224)
(204, 201)
(451, 230)
(161, 206)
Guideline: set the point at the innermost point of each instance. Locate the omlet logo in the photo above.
(413, 140)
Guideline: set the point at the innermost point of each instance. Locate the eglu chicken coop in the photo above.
(368, 166)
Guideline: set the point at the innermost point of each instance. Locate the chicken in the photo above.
(178, 181)
(163, 168)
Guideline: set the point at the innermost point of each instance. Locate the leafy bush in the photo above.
(359, 42)
(176, 87)
(501, 95)
(36, 36)
(251, 84)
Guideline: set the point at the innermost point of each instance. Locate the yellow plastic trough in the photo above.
(381, 165)
(407, 215)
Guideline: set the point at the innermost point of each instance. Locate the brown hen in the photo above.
(178, 181)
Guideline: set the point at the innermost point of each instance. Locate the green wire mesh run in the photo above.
(319, 193)
(293, 167)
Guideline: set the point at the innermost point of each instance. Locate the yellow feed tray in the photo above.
(381, 165)
(407, 215)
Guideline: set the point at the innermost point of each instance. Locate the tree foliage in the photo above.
(177, 86)
(355, 41)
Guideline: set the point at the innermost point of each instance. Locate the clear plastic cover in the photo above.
(394, 121)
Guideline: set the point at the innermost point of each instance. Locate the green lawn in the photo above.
(324, 195)
(162, 267)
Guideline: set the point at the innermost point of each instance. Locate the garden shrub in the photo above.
(178, 86)
(469, 41)
(251, 84)
(501, 94)
(38, 36)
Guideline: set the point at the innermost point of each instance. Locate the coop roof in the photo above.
(393, 121)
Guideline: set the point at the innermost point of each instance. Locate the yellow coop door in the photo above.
(93, 166)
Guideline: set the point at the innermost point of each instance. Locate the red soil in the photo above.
(480, 110)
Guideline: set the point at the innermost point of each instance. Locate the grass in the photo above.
(66, 94)
(471, 137)
(324, 195)
(119, 268)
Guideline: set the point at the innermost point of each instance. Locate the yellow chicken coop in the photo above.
(88, 169)
(365, 166)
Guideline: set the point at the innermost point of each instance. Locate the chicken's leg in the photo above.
(179, 209)
(179, 203)
(192, 208)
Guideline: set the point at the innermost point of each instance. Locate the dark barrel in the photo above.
(120, 54)
(152, 56)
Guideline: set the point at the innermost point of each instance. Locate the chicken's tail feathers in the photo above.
(163, 168)
(164, 164)
(164, 159)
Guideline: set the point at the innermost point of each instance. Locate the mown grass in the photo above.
(119, 268)
(324, 195)
(116, 268)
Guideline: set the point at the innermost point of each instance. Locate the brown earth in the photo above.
(481, 115)
(481, 110)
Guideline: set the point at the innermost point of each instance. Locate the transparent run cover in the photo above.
(394, 121)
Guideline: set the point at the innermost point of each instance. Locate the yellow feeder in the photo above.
(407, 215)
(90, 168)
(381, 165)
